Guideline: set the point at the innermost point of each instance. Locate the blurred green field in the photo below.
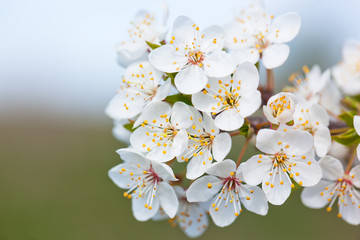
(54, 186)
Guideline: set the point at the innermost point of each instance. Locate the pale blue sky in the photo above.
(58, 55)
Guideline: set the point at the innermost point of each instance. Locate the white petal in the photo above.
(222, 169)
(204, 102)
(138, 207)
(164, 171)
(195, 222)
(229, 120)
(322, 141)
(219, 64)
(267, 141)
(225, 214)
(357, 124)
(257, 202)
(318, 82)
(256, 168)
(275, 192)
(116, 109)
(199, 190)
(209, 125)
(308, 171)
(191, 80)
(350, 212)
(181, 115)
(249, 103)
(153, 111)
(332, 168)
(317, 196)
(167, 59)
(275, 55)
(183, 31)
(180, 142)
(268, 114)
(162, 91)
(121, 133)
(246, 55)
(198, 165)
(296, 142)
(285, 28)
(123, 179)
(355, 176)
(214, 39)
(248, 76)
(133, 156)
(358, 151)
(221, 146)
(167, 198)
(318, 115)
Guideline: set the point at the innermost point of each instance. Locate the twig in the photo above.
(338, 130)
(243, 151)
(353, 155)
(270, 82)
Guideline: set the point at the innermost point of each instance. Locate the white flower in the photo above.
(194, 55)
(336, 184)
(287, 154)
(311, 84)
(315, 120)
(280, 108)
(357, 129)
(205, 144)
(330, 98)
(141, 85)
(191, 217)
(147, 183)
(231, 99)
(135, 47)
(347, 73)
(254, 35)
(162, 133)
(120, 132)
(224, 186)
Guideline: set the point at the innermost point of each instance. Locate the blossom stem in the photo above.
(260, 125)
(243, 151)
(350, 163)
(232, 134)
(338, 130)
(270, 81)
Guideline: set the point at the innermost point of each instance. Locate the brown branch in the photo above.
(243, 151)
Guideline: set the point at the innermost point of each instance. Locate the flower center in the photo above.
(195, 57)
(261, 43)
(279, 105)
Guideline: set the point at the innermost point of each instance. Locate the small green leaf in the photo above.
(179, 97)
(290, 123)
(348, 118)
(352, 102)
(152, 45)
(245, 130)
(348, 138)
(129, 126)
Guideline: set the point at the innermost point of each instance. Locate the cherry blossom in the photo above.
(287, 156)
(147, 183)
(195, 55)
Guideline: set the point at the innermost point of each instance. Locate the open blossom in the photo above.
(347, 73)
(231, 99)
(225, 188)
(310, 85)
(141, 85)
(314, 119)
(162, 132)
(255, 35)
(287, 156)
(336, 184)
(143, 28)
(194, 54)
(147, 183)
(357, 129)
(191, 217)
(280, 108)
(205, 144)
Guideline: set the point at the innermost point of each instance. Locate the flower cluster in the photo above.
(184, 96)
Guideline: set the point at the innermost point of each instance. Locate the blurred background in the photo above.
(58, 70)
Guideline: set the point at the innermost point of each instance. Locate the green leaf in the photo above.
(179, 97)
(348, 118)
(152, 45)
(245, 130)
(348, 138)
(129, 126)
(352, 102)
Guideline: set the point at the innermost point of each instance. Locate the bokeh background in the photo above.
(58, 70)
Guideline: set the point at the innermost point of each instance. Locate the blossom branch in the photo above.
(243, 151)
